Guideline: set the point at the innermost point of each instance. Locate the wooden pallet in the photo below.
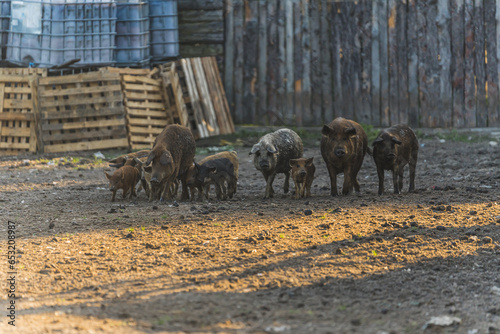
(146, 109)
(17, 119)
(81, 112)
(23, 71)
(172, 91)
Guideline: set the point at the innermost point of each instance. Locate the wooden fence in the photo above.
(380, 62)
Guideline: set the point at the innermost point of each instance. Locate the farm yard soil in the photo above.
(350, 264)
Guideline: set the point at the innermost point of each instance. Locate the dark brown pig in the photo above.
(272, 155)
(303, 175)
(192, 173)
(125, 178)
(172, 154)
(343, 147)
(393, 149)
(123, 159)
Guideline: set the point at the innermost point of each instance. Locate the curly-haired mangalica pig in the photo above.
(392, 150)
(303, 175)
(272, 155)
(125, 178)
(123, 159)
(343, 147)
(172, 154)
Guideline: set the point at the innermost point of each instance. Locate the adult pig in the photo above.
(393, 149)
(272, 155)
(343, 147)
(172, 154)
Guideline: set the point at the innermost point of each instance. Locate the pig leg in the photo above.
(308, 188)
(287, 182)
(347, 186)
(297, 189)
(400, 177)
(113, 196)
(395, 173)
(413, 165)
(269, 185)
(166, 193)
(132, 192)
(302, 189)
(125, 191)
(333, 180)
(380, 173)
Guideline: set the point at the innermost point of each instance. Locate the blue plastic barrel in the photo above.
(164, 30)
(53, 32)
(132, 34)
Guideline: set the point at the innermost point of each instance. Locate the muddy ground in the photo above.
(352, 264)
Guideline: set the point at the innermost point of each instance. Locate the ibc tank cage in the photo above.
(164, 30)
(49, 33)
(4, 26)
(132, 34)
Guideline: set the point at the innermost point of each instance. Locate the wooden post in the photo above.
(364, 111)
(289, 81)
(306, 63)
(273, 62)
(394, 74)
(338, 102)
(402, 61)
(297, 63)
(316, 35)
(384, 64)
(250, 61)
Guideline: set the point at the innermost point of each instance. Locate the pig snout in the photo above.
(339, 152)
(264, 164)
(155, 179)
(302, 173)
(391, 155)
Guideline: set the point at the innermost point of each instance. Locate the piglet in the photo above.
(302, 174)
(125, 178)
(393, 149)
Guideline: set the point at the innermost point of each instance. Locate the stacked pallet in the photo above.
(81, 112)
(23, 71)
(146, 109)
(203, 101)
(17, 116)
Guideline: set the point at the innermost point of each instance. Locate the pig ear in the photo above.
(137, 161)
(271, 149)
(164, 159)
(196, 165)
(309, 161)
(396, 141)
(113, 160)
(151, 156)
(108, 176)
(116, 165)
(292, 162)
(350, 131)
(326, 131)
(378, 140)
(255, 148)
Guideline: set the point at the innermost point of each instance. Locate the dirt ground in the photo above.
(352, 264)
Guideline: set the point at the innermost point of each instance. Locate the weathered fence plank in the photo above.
(392, 54)
(289, 80)
(238, 63)
(364, 112)
(229, 53)
(306, 63)
(457, 61)
(326, 57)
(250, 60)
(315, 61)
(492, 61)
(347, 67)
(402, 61)
(495, 121)
(262, 62)
(298, 66)
(444, 56)
(335, 30)
(282, 76)
(469, 119)
(479, 70)
(412, 43)
(273, 61)
(375, 59)
(384, 64)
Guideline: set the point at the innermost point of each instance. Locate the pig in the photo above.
(123, 159)
(343, 147)
(192, 173)
(125, 178)
(272, 155)
(302, 174)
(393, 149)
(172, 153)
(218, 172)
